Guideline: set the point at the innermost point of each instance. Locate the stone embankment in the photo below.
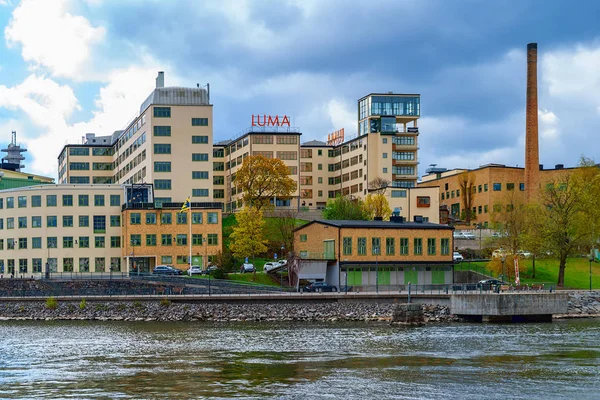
(583, 304)
(167, 311)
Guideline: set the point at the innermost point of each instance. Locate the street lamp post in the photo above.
(503, 259)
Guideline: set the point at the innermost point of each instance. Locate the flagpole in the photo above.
(190, 238)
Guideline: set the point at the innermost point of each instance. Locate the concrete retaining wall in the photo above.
(509, 304)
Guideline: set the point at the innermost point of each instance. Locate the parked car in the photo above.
(166, 270)
(270, 266)
(319, 287)
(488, 284)
(247, 267)
(210, 269)
(523, 253)
(194, 270)
(499, 253)
(457, 256)
(464, 235)
(283, 263)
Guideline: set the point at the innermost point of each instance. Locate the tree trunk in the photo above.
(533, 267)
(561, 270)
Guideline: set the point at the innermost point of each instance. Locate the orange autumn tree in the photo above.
(261, 179)
(466, 182)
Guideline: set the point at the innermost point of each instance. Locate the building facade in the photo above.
(69, 229)
(366, 254)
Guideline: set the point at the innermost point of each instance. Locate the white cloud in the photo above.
(342, 116)
(548, 125)
(53, 38)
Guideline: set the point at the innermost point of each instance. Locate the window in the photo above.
(431, 246)
(166, 259)
(196, 218)
(418, 246)
(83, 200)
(479, 209)
(390, 246)
(84, 264)
(485, 187)
(67, 242)
(398, 193)
(199, 156)
(79, 151)
(99, 200)
(510, 186)
(384, 155)
(135, 239)
(22, 201)
(151, 219)
(202, 139)
(67, 200)
(115, 264)
(100, 264)
(99, 242)
(1, 223)
(22, 222)
(521, 186)
(181, 239)
(115, 200)
(115, 241)
(362, 246)
(22, 243)
(303, 238)
(10, 223)
(445, 246)
(385, 170)
(36, 242)
(287, 139)
(497, 187)
(199, 192)
(36, 201)
(151, 239)
(181, 218)
(375, 246)
(424, 201)
(162, 148)
(213, 239)
(166, 218)
(115, 220)
(162, 166)
(166, 239)
(287, 155)
(162, 130)
(79, 166)
(135, 218)
(199, 175)
(162, 184)
(50, 201)
(99, 224)
(403, 246)
(51, 221)
(67, 221)
(10, 202)
(213, 218)
(196, 239)
(51, 242)
(347, 246)
(162, 112)
(199, 121)
(84, 242)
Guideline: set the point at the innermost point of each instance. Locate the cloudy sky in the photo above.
(68, 67)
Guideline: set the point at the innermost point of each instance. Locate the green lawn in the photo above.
(577, 272)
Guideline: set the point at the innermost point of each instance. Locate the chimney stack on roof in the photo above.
(160, 80)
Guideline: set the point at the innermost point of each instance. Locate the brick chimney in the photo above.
(532, 153)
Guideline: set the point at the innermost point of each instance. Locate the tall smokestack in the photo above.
(160, 79)
(532, 153)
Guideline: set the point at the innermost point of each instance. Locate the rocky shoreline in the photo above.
(581, 304)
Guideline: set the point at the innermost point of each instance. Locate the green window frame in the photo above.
(36, 221)
(67, 221)
(362, 246)
(135, 239)
(199, 192)
(445, 246)
(390, 246)
(135, 218)
(431, 250)
(67, 242)
(212, 218)
(162, 112)
(22, 201)
(162, 184)
(115, 200)
(347, 246)
(10, 202)
(99, 200)
(199, 157)
(151, 239)
(166, 259)
(22, 221)
(99, 224)
(115, 220)
(51, 222)
(50, 201)
(303, 238)
(418, 246)
(162, 166)
(84, 221)
(67, 200)
(199, 121)
(376, 246)
(166, 239)
(166, 218)
(115, 241)
(403, 246)
(162, 148)
(83, 200)
(199, 175)
(213, 239)
(36, 242)
(99, 242)
(197, 239)
(196, 218)
(150, 218)
(52, 242)
(162, 130)
(200, 139)
(181, 239)
(36, 201)
(181, 218)
(84, 242)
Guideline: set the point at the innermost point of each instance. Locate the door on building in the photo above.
(438, 276)
(411, 275)
(329, 249)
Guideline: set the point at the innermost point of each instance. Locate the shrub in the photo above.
(51, 303)
(165, 302)
(137, 304)
(82, 304)
(71, 308)
(219, 274)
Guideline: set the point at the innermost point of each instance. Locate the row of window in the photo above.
(99, 222)
(96, 151)
(166, 218)
(390, 246)
(83, 200)
(165, 148)
(180, 239)
(68, 265)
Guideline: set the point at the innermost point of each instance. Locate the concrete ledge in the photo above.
(509, 304)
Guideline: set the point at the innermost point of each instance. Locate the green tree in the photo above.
(260, 179)
(509, 216)
(345, 208)
(247, 239)
(376, 205)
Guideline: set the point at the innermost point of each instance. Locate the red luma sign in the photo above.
(270, 120)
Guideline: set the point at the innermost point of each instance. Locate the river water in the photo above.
(91, 359)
